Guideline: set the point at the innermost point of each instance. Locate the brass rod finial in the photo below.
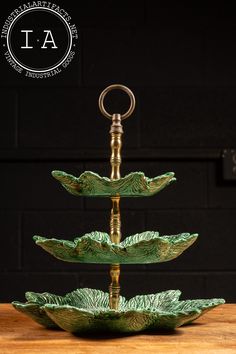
(116, 87)
(116, 126)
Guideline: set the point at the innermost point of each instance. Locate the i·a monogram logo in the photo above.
(39, 39)
(49, 33)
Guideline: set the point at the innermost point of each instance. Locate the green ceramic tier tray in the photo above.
(87, 310)
(96, 247)
(135, 184)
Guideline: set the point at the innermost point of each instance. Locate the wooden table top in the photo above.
(214, 332)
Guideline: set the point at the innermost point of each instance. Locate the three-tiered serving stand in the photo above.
(87, 310)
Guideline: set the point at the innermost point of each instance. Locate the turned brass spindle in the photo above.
(116, 132)
(115, 222)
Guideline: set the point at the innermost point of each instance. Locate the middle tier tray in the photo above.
(96, 247)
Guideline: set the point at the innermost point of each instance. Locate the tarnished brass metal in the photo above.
(116, 132)
(115, 87)
(115, 223)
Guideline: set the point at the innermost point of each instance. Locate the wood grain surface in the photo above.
(215, 332)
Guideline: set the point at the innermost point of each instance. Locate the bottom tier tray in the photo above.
(87, 310)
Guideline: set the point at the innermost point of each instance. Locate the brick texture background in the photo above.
(180, 63)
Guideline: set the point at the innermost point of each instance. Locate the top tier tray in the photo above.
(135, 184)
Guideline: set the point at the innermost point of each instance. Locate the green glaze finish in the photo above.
(33, 308)
(134, 184)
(96, 247)
(87, 310)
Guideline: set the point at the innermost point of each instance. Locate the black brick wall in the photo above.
(180, 63)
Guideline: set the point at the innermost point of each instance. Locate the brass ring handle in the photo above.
(115, 87)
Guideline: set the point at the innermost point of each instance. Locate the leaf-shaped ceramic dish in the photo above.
(87, 310)
(134, 184)
(96, 247)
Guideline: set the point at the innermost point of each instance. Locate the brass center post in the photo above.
(116, 132)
